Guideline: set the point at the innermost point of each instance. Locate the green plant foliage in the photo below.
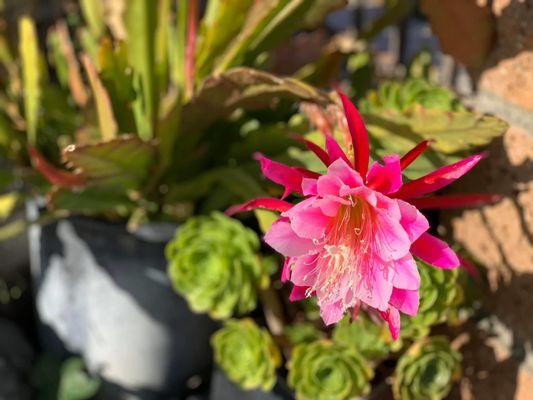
(302, 332)
(427, 370)
(214, 263)
(326, 370)
(401, 96)
(120, 164)
(247, 354)
(440, 294)
(68, 380)
(369, 338)
(29, 52)
(76, 383)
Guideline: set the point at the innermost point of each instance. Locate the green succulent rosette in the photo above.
(325, 370)
(369, 338)
(302, 332)
(427, 370)
(213, 262)
(247, 354)
(440, 294)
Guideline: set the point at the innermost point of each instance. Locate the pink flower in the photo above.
(351, 240)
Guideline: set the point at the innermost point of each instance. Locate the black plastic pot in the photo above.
(103, 293)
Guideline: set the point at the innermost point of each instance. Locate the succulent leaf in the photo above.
(214, 263)
(247, 354)
(427, 370)
(325, 370)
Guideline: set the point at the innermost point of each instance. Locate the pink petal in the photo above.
(282, 174)
(438, 178)
(286, 270)
(406, 274)
(412, 220)
(405, 300)
(309, 187)
(456, 200)
(332, 313)
(379, 290)
(304, 271)
(435, 252)
(359, 135)
(390, 241)
(282, 238)
(307, 219)
(319, 152)
(392, 316)
(335, 151)
(386, 178)
(342, 170)
(413, 154)
(298, 293)
(268, 203)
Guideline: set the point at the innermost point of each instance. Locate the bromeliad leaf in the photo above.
(243, 88)
(29, 53)
(221, 23)
(88, 201)
(120, 164)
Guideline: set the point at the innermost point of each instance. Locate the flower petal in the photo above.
(435, 252)
(319, 152)
(405, 300)
(268, 203)
(412, 220)
(342, 170)
(359, 135)
(307, 219)
(298, 293)
(406, 274)
(286, 270)
(282, 238)
(438, 178)
(335, 151)
(288, 177)
(332, 313)
(392, 316)
(413, 154)
(456, 200)
(386, 178)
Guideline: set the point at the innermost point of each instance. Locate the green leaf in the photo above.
(8, 202)
(243, 88)
(93, 13)
(29, 53)
(12, 229)
(316, 13)
(121, 164)
(141, 22)
(104, 108)
(265, 218)
(222, 22)
(267, 24)
(161, 39)
(88, 201)
(75, 383)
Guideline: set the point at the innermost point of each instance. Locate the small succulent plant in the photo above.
(369, 338)
(214, 263)
(427, 370)
(324, 370)
(440, 292)
(247, 354)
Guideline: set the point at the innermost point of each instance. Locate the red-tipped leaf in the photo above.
(54, 175)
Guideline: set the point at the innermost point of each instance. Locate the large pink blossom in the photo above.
(351, 240)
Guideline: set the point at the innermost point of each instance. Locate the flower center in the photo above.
(345, 262)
